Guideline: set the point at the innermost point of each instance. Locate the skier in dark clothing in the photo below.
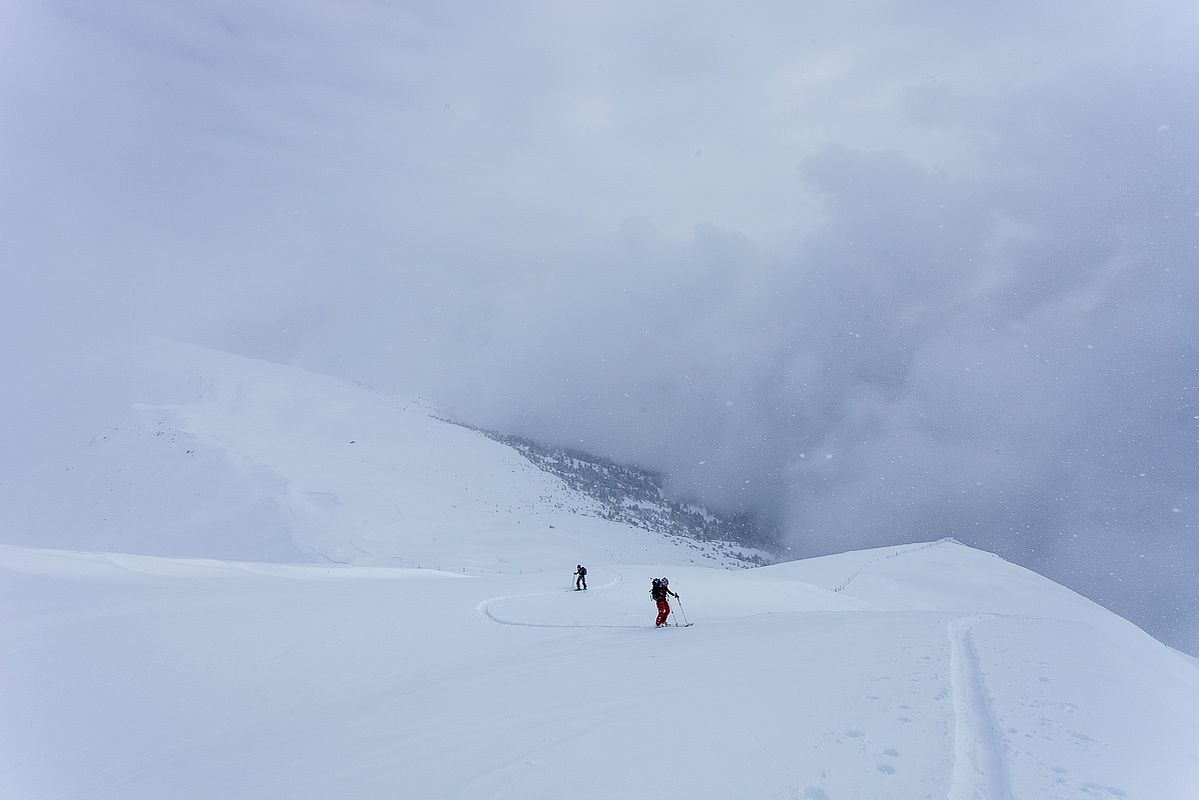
(660, 589)
(581, 579)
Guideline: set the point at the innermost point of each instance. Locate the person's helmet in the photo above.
(666, 581)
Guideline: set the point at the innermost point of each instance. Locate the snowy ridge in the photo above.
(76, 564)
(210, 455)
(892, 553)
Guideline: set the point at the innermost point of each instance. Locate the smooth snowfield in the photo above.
(932, 671)
(187, 451)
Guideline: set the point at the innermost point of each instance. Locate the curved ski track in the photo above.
(485, 608)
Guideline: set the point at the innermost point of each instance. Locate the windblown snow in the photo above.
(451, 657)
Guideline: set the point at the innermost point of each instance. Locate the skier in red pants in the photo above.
(661, 588)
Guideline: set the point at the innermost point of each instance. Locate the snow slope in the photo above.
(932, 671)
(206, 454)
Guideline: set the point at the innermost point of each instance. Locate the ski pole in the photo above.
(681, 611)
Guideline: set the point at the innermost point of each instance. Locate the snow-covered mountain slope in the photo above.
(207, 454)
(628, 493)
(933, 671)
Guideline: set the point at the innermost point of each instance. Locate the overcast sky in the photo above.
(877, 272)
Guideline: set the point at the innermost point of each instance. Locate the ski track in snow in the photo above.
(485, 608)
(979, 769)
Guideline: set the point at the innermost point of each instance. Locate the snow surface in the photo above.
(933, 671)
(206, 454)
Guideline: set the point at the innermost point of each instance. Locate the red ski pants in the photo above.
(663, 611)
